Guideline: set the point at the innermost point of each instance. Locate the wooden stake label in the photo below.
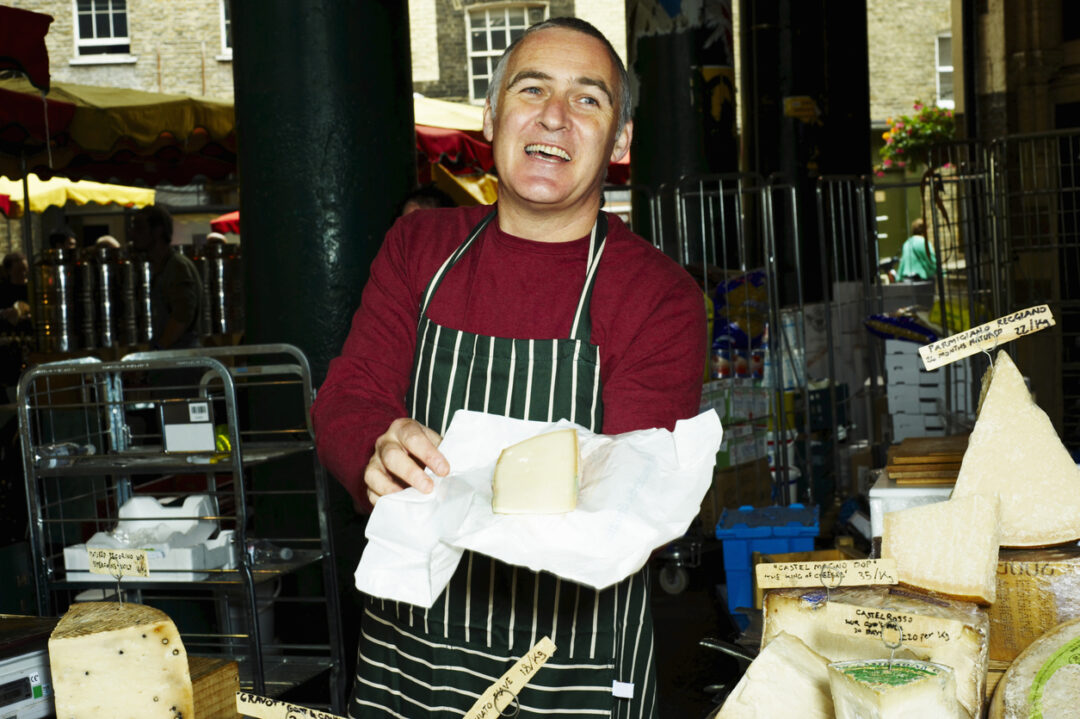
(253, 705)
(119, 562)
(911, 629)
(841, 573)
(502, 693)
(987, 336)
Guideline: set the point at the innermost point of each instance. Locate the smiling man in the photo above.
(543, 308)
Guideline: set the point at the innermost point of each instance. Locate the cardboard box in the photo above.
(1037, 589)
(745, 484)
(845, 549)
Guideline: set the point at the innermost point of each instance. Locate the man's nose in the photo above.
(554, 113)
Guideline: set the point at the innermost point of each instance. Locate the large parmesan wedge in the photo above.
(538, 475)
(787, 680)
(1015, 454)
(1044, 681)
(947, 547)
(804, 614)
(119, 661)
(894, 689)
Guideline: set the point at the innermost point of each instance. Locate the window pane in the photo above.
(536, 14)
(101, 25)
(119, 23)
(946, 92)
(105, 50)
(517, 16)
(498, 39)
(944, 44)
(225, 8)
(228, 34)
(479, 66)
(86, 26)
(479, 41)
(479, 89)
(497, 20)
(119, 5)
(516, 33)
(85, 6)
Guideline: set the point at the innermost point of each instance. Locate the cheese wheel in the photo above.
(538, 475)
(119, 661)
(787, 680)
(946, 547)
(893, 689)
(802, 613)
(1044, 681)
(1015, 454)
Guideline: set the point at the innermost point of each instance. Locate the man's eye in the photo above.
(531, 90)
(590, 100)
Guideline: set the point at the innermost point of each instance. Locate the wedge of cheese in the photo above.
(1015, 454)
(113, 660)
(538, 475)
(947, 547)
(803, 613)
(1044, 681)
(893, 689)
(787, 680)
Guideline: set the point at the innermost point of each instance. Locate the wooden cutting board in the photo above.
(929, 450)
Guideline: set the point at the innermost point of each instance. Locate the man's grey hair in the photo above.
(570, 23)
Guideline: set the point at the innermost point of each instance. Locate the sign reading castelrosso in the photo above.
(987, 336)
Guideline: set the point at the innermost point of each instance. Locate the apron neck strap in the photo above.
(581, 329)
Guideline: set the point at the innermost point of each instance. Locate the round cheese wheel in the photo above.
(1044, 680)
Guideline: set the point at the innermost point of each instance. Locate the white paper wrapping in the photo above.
(639, 491)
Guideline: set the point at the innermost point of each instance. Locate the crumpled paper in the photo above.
(639, 491)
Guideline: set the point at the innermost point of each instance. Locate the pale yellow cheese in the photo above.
(121, 662)
(787, 680)
(894, 689)
(803, 613)
(1044, 681)
(1015, 454)
(946, 547)
(538, 475)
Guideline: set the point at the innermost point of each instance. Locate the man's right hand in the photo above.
(401, 454)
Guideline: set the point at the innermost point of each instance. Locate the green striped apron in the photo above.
(414, 662)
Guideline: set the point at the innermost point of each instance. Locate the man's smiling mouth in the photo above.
(548, 152)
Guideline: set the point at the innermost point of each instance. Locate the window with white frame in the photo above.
(945, 71)
(489, 31)
(226, 29)
(101, 27)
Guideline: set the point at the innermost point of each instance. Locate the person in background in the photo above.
(14, 302)
(543, 307)
(427, 197)
(63, 238)
(175, 288)
(917, 260)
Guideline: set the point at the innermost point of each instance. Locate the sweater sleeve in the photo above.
(365, 386)
(657, 378)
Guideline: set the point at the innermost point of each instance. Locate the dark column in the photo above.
(325, 126)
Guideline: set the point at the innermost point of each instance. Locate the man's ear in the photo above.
(622, 141)
(489, 121)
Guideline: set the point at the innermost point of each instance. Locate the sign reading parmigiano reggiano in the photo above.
(987, 336)
(840, 573)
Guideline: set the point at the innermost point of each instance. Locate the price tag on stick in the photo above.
(987, 336)
(253, 705)
(118, 562)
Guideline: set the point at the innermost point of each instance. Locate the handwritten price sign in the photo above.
(119, 562)
(843, 573)
(253, 705)
(911, 629)
(987, 336)
(501, 694)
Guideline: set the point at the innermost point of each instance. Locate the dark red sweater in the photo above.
(648, 318)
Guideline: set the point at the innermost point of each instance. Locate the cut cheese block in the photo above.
(1044, 681)
(787, 680)
(803, 613)
(1015, 454)
(120, 661)
(947, 547)
(893, 689)
(538, 475)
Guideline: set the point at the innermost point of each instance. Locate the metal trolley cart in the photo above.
(206, 459)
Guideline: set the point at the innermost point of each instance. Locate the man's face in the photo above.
(555, 129)
(141, 237)
(20, 272)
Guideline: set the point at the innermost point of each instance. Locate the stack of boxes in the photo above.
(917, 398)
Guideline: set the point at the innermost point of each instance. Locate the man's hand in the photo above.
(401, 454)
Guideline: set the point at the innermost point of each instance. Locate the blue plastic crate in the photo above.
(769, 530)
